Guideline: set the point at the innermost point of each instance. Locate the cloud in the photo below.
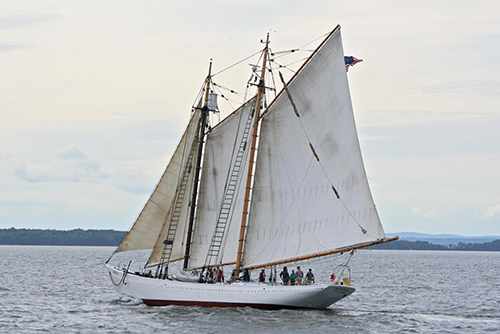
(492, 211)
(417, 212)
(83, 161)
(6, 157)
(5, 47)
(136, 180)
(410, 118)
(428, 215)
(20, 20)
(71, 165)
(371, 138)
(72, 152)
(462, 88)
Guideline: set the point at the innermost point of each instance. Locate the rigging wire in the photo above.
(272, 75)
(225, 88)
(287, 53)
(239, 62)
(254, 75)
(314, 40)
(286, 66)
(261, 51)
(225, 98)
(219, 87)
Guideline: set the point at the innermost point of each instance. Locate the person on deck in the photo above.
(309, 277)
(209, 276)
(299, 275)
(292, 278)
(332, 277)
(220, 275)
(235, 275)
(201, 279)
(262, 276)
(246, 276)
(285, 277)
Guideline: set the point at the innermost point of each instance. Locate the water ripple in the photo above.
(67, 290)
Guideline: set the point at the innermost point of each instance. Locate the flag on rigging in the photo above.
(351, 61)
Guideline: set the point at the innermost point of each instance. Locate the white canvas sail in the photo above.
(220, 153)
(153, 220)
(309, 198)
(178, 248)
(294, 211)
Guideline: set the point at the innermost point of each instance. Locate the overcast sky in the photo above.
(94, 96)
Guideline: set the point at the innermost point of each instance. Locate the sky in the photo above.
(94, 96)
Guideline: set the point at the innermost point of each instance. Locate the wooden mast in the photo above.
(246, 201)
(201, 141)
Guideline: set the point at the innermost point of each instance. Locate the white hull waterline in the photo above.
(163, 292)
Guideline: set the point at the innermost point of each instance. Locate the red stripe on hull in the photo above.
(155, 302)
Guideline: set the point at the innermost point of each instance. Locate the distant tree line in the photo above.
(425, 245)
(77, 237)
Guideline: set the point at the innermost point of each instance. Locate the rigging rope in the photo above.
(124, 275)
(239, 62)
(225, 98)
(228, 89)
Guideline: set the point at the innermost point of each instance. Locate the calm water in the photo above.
(67, 290)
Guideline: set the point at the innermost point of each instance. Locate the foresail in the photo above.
(153, 221)
(295, 211)
(179, 240)
(219, 158)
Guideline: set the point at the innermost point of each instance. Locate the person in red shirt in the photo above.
(332, 277)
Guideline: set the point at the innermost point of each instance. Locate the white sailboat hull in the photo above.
(158, 292)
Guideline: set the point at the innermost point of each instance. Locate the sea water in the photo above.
(67, 290)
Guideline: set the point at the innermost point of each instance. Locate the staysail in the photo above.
(153, 221)
(295, 211)
(221, 150)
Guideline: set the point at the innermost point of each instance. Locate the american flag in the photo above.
(351, 61)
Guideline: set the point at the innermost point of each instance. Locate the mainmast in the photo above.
(201, 142)
(246, 202)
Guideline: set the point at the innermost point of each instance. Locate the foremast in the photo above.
(201, 142)
(246, 201)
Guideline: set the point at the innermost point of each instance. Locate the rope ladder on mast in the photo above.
(176, 213)
(229, 195)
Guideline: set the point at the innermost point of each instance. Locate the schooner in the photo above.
(271, 184)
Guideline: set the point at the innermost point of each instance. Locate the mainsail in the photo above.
(220, 157)
(153, 221)
(295, 211)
